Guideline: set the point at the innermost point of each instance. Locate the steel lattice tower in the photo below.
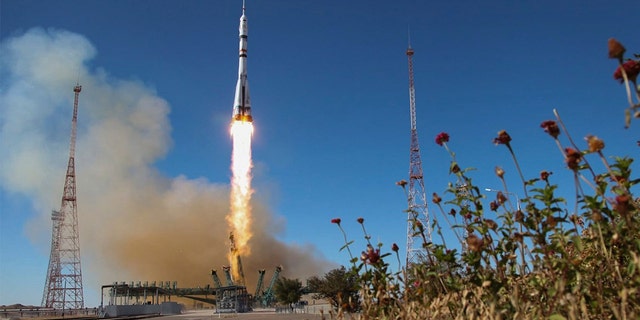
(63, 287)
(416, 196)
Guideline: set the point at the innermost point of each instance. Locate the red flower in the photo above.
(573, 158)
(502, 138)
(501, 197)
(436, 199)
(336, 221)
(394, 247)
(551, 127)
(441, 138)
(361, 220)
(631, 67)
(544, 175)
(371, 256)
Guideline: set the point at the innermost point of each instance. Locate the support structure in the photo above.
(258, 293)
(418, 216)
(268, 297)
(216, 279)
(227, 274)
(63, 285)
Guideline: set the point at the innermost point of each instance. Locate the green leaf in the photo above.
(557, 317)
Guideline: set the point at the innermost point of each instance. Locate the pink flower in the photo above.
(441, 138)
(631, 67)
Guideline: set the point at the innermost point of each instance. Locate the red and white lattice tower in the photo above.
(63, 287)
(416, 196)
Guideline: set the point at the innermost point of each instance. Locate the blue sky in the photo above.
(329, 91)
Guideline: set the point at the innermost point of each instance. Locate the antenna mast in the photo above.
(416, 197)
(63, 287)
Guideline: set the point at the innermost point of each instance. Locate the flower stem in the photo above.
(555, 112)
(515, 160)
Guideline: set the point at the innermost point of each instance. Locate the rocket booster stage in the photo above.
(242, 102)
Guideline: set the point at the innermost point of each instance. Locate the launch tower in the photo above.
(63, 287)
(416, 196)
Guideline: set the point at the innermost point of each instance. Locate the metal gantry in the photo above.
(418, 221)
(63, 285)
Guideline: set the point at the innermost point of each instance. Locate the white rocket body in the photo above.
(242, 102)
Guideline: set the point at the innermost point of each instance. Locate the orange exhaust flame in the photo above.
(239, 219)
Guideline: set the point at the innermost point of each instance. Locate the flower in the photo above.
(336, 221)
(503, 138)
(551, 127)
(491, 224)
(519, 216)
(622, 204)
(394, 247)
(474, 243)
(631, 68)
(401, 183)
(499, 172)
(577, 220)
(361, 220)
(573, 158)
(517, 236)
(618, 178)
(371, 256)
(596, 216)
(501, 197)
(551, 222)
(436, 199)
(595, 144)
(616, 50)
(544, 175)
(493, 206)
(441, 138)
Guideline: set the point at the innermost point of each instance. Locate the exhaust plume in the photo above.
(135, 223)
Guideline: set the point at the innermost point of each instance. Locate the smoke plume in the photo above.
(135, 223)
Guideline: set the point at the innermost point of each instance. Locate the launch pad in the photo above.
(232, 297)
(136, 298)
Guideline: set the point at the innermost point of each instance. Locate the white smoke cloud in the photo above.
(135, 224)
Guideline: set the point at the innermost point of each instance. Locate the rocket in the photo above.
(242, 102)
